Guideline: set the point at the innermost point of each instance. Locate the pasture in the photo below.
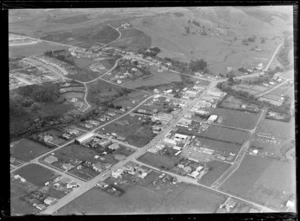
(27, 150)
(219, 146)
(215, 170)
(133, 40)
(225, 134)
(36, 174)
(185, 198)
(281, 130)
(35, 49)
(237, 119)
(158, 161)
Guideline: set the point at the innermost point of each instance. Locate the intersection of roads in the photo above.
(87, 185)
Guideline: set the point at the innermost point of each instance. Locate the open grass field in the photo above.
(35, 49)
(97, 34)
(133, 39)
(185, 198)
(247, 174)
(220, 146)
(216, 169)
(27, 150)
(17, 205)
(264, 183)
(36, 174)
(281, 130)
(237, 119)
(158, 161)
(132, 99)
(156, 78)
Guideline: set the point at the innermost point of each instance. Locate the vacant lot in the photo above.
(132, 128)
(216, 169)
(185, 198)
(35, 49)
(281, 130)
(219, 146)
(131, 100)
(36, 174)
(237, 119)
(27, 150)
(156, 78)
(101, 91)
(158, 161)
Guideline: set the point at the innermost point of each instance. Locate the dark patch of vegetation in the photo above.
(198, 65)
(178, 14)
(62, 55)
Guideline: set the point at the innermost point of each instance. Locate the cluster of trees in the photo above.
(283, 55)
(46, 92)
(198, 65)
(152, 53)
(284, 108)
(61, 55)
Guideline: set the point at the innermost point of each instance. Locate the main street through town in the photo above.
(85, 186)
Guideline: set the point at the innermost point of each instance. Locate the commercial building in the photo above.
(84, 137)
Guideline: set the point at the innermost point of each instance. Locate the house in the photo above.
(40, 206)
(50, 200)
(181, 136)
(97, 167)
(67, 166)
(47, 138)
(187, 169)
(66, 136)
(64, 180)
(72, 185)
(194, 174)
(116, 174)
(84, 137)
(212, 118)
(177, 148)
(114, 146)
(170, 141)
(50, 159)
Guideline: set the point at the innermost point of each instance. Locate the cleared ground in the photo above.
(27, 150)
(237, 119)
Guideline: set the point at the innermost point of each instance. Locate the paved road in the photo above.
(90, 184)
(190, 180)
(239, 158)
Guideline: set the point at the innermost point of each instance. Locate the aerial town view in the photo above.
(166, 110)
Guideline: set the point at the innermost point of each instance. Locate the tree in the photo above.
(198, 65)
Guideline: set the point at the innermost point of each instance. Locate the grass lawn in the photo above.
(217, 168)
(158, 161)
(27, 150)
(36, 174)
(238, 119)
